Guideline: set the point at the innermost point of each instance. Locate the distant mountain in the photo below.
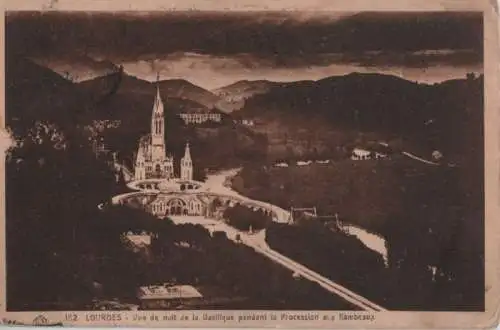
(34, 92)
(236, 94)
(183, 89)
(385, 107)
(120, 92)
(123, 83)
(76, 68)
(24, 73)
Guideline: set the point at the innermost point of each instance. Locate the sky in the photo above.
(214, 49)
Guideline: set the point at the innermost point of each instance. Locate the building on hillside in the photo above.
(153, 160)
(245, 122)
(380, 155)
(360, 154)
(198, 118)
(281, 164)
(363, 154)
(141, 239)
(303, 163)
(99, 147)
(437, 155)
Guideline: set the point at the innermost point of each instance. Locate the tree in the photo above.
(244, 218)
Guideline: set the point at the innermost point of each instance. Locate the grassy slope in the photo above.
(365, 193)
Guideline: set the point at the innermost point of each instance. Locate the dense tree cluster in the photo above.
(244, 218)
(52, 194)
(341, 258)
(436, 256)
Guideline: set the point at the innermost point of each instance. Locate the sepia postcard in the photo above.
(200, 164)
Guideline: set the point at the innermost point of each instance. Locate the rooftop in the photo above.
(168, 292)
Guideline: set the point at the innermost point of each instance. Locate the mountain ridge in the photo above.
(306, 114)
(176, 88)
(389, 107)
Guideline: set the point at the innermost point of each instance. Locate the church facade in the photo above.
(178, 204)
(153, 161)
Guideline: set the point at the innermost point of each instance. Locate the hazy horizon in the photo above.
(215, 49)
(218, 80)
(204, 75)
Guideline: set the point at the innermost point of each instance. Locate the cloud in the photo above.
(418, 59)
(288, 33)
(217, 48)
(76, 67)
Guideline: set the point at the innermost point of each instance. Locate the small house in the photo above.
(361, 154)
(168, 296)
(282, 164)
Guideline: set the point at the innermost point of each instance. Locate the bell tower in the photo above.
(158, 126)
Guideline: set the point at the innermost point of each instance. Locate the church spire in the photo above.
(158, 120)
(158, 105)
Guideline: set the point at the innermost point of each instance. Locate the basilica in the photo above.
(153, 161)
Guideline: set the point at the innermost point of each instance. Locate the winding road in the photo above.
(425, 161)
(417, 158)
(215, 184)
